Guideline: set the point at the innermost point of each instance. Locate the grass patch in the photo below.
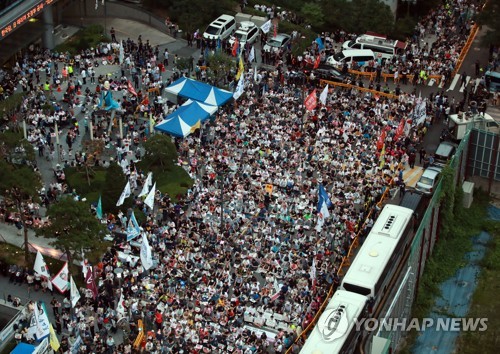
(485, 302)
(77, 179)
(448, 255)
(88, 37)
(174, 182)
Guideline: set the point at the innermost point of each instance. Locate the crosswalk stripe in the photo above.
(462, 88)
(411, 176)
(454, 82)
(431, 82)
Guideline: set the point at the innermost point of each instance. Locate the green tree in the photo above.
(160, 152)
(313, 14)
(113, 186)
(19, 182)
(359, 16)
(74, 227)
(220, 64)
(489, 18)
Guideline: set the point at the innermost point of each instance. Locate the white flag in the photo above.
(40, 266)
(125, 194)
(96, 4)
(74, 293)
(239, 88)
(266, 27)
(146, 257)
(251, 56)
(61, 280)
(120, 308)
(255, 76)
(150, 199)
(312, 273)
(121, 56)
(324, 95)
(147, 185)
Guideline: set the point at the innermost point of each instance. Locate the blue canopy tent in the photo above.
(185, 119)
(23, 348)
(199, 91)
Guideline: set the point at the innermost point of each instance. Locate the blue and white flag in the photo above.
(133, 229)
(323, 203)
(98, 210)
(321, 46)
(39, 324)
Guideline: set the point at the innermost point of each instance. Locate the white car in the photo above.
(246, 33)
(276, 43)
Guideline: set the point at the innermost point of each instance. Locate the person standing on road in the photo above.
(165, 56)
(113, 34)
(84, 76)
(463, 79)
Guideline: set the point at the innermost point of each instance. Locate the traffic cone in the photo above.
(58, 88)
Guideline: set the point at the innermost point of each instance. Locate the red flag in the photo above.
(89, 280)
(381, 140)
(316, 62)
(400, 129)
(236, 44)
(131, 89)
(145, 101)
(311, 101)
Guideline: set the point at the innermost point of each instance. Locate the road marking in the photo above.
(454, 82)
(462, 88)
(431, 82)
(411, 176)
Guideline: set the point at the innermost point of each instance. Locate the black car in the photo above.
(331, 74)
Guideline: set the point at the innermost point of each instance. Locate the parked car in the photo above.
(428, 181)
(276, 43)
(444, 153)
(331, 74)
(221, 28)
(246, 33)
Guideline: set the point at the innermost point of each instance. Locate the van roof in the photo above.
(493, 73)
(222, 19)
(357, 52)
(383, 42)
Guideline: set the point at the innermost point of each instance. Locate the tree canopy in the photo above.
(112, 189)
(160, 152)
(19, 181)
(73, 226)
(489, 17)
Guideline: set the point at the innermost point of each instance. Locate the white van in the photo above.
(360, 56)
(221, 28)
(382, 47)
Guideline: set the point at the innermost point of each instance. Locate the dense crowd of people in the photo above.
(239, 267)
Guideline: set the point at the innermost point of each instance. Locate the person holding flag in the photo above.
(324, 203)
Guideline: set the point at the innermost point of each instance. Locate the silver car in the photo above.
(276, 43)
(428, 181)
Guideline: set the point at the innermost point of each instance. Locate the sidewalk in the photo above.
(11, 235)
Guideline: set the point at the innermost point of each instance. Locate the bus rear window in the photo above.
(356, 289)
